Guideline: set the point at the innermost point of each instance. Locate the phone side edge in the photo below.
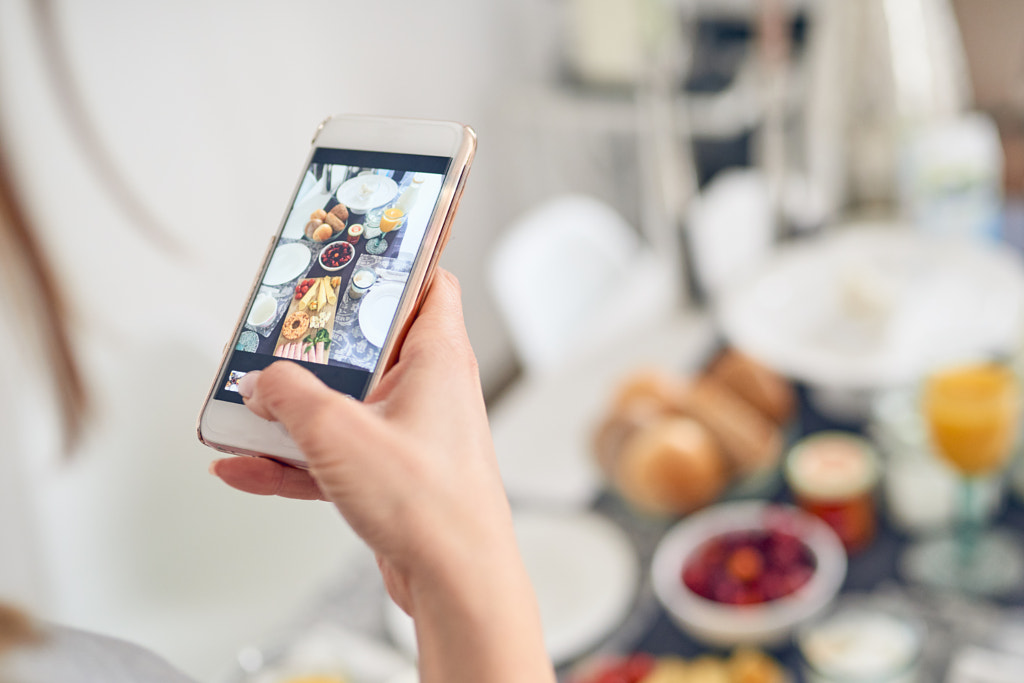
(405, 316)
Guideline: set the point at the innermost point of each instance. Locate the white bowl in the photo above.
(329, 245)
(263, 312)
(769, 623)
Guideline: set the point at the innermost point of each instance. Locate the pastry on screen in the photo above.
(766, 390)
(670, 465)
(337, 218)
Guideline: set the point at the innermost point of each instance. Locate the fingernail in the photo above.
(247, 383)
(213, 467)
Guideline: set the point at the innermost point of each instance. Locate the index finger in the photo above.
(309, 410)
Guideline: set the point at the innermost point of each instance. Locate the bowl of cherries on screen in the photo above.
(747, 573)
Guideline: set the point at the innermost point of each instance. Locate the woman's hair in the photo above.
(16, 629)
(22, 261)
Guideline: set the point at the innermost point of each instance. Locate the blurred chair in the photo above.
(572, 278)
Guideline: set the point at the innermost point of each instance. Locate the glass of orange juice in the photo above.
(390, 220)
(972, 413)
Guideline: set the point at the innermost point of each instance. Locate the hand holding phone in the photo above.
(413, 472)
(347, 269)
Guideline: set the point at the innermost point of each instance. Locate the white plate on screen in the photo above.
(585, 573)
(365, 192)
(288, 262)
(378, 310)
(873, 306)
(316, 197)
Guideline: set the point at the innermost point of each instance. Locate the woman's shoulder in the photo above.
(73, 656)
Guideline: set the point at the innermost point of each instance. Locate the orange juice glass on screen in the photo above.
(973, 412)
(391, 219)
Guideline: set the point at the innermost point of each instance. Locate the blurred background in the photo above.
(834, 189)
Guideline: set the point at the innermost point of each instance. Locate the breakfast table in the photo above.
(546, 424)
(873, 571)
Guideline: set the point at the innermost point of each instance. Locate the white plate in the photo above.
(288, 262)
(365, 192)
(378, 310)
(585, 573)
(315, 198)
(869, 306)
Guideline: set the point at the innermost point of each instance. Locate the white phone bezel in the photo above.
(231, 427)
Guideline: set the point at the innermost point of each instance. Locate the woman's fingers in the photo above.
(440, 319)
(266, 478)
(286, 393)
(318, 418)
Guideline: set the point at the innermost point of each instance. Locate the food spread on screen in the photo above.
(307, 305)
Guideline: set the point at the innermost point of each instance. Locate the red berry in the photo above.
(745, 564)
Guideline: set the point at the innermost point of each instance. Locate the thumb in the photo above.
(312, 413)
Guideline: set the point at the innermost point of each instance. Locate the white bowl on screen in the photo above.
(263, 310)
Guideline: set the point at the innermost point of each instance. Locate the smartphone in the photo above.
(346, 271)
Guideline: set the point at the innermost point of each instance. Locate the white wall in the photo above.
(207, 109)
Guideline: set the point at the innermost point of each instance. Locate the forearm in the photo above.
(480, 623)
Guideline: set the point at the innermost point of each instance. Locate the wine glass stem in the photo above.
(971, 520)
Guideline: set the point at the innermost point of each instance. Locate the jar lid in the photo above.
(832, 466)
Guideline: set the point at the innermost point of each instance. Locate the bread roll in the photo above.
(618, 426)
(311, 227)
(641, 398)
(336, 224)
(323, 233)
(750, 441)
(765, 390)
(651, 386)
(671, 465)
(341, 211)
(319, 215)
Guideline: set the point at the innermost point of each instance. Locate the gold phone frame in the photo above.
(435, 238)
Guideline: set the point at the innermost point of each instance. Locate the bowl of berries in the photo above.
(747, 573)
(336, 255)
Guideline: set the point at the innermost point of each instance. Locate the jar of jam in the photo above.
(833, 476)
(354, 232)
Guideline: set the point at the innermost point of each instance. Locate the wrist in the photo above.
(477, 618)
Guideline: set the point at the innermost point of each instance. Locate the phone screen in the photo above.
(329, 293)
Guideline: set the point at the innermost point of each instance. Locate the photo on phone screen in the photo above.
(328, 296)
